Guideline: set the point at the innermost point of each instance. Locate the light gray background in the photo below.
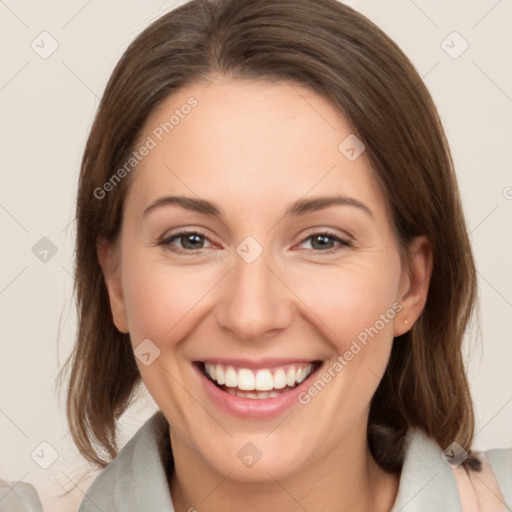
(47, 106)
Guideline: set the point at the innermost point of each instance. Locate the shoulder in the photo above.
(501, 463)
(137, 478)
(19, 497)
(428, 482)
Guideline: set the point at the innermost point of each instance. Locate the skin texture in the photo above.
(252, 148)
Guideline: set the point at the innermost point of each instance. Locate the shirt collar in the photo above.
(137, 479)
(427, 482)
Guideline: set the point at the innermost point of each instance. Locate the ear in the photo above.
(109, 261)
(414, 284)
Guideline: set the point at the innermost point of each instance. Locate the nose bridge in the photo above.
(255, 300)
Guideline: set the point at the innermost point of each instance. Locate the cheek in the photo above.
(159, 296)
(352, 300)
(355, 306)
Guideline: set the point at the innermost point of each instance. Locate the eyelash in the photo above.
(166, 242)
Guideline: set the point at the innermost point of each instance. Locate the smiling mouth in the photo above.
(258, 384)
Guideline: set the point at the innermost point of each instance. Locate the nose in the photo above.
(256, 301)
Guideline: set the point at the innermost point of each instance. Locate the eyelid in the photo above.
(184, 231)
(334, 232)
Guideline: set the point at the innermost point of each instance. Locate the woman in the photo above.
(270, 239)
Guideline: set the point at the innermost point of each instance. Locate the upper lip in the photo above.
(257, 364)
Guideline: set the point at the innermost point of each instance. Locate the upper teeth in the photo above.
(261, 380)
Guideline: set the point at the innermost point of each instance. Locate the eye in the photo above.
(193, 241)
(323, 242)
(189, 241)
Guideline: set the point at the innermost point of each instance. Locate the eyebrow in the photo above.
(299, 207)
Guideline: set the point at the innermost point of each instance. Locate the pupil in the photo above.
(324, 238)
(192, 239)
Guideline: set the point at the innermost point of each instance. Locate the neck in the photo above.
(346, 479)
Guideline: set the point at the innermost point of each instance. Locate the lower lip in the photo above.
(252, 407)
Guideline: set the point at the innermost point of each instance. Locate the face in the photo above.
(262, 312)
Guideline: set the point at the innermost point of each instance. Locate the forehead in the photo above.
(256, 141)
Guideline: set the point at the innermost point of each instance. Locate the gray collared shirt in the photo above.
(136, 480)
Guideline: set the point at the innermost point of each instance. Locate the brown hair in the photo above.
(341, 55)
